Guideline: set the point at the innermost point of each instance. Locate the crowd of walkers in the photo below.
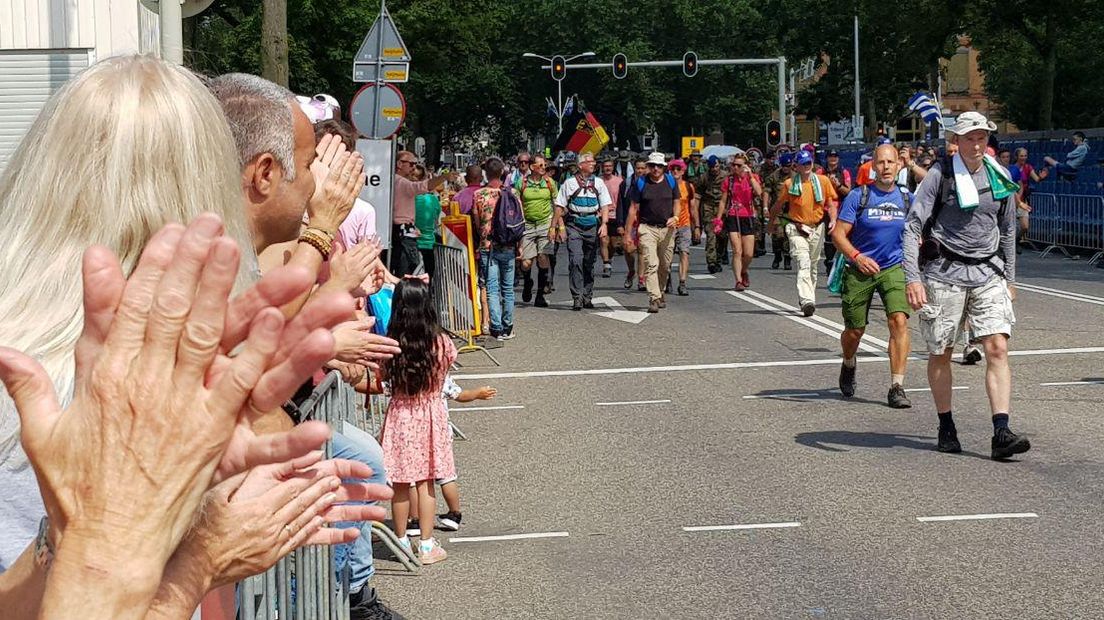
(161, 323)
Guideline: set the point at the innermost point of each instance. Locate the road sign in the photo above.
(398, 72)
(691, 144)
(754, 155)
(378, 112)
(382, 55)
(379, 177)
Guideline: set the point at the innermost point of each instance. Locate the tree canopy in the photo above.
(468, 73)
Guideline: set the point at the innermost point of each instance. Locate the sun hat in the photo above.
(970, 121)
(657, 159)
(677, 163)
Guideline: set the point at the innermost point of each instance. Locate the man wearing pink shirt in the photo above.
(404, 256)
(613, 184)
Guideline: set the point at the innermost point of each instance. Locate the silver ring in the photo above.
(287, 530)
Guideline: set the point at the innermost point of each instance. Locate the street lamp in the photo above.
(553, 62)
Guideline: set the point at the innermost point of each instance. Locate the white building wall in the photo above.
(106, 27)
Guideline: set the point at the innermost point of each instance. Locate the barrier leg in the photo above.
(456, 432)
(391, 541)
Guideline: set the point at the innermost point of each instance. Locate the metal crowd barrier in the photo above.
(304, 585)
(454, 296)
(1064, 221)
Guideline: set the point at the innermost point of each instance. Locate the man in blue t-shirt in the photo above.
(869, 233)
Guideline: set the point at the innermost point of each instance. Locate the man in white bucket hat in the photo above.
(960, 265)
(655, 205)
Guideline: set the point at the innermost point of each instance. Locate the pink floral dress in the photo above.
(417, 440)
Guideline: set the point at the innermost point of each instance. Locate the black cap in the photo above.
(833, 153)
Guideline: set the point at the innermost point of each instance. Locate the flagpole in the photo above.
(560, 109)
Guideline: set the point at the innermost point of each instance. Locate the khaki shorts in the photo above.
(535, 241)
(988, 308)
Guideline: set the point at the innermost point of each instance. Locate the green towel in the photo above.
(795, 186)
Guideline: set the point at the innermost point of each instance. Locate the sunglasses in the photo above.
(407, 161)
(523, 161)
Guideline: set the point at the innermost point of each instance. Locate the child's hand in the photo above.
(486, 393)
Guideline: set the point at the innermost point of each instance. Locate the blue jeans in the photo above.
(499, 265)
(356, 445)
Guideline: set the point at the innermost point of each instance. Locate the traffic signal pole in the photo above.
(780, 62)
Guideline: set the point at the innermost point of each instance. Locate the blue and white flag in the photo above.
(569, 106)
(551, 107)
(925, 106)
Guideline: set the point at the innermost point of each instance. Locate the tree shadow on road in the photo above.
(821, 440)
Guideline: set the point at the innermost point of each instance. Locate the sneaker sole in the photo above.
(900, 406)
(1022, 445)
(946, 450)
(428, 561)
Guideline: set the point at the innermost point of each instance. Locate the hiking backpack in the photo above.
(508, 224)
(641, 180)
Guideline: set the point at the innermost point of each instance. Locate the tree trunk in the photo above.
(1050, 70)
(274, 42)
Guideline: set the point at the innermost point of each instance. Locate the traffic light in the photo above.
(774, 133)
(690, 64)
(620, 66)
(559, 68)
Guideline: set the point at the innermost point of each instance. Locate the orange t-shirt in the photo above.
(866, 174)
(804, 208)
(686, 194)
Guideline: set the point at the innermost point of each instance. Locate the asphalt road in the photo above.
(751, 431)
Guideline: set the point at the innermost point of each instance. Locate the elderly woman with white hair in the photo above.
(121, 152)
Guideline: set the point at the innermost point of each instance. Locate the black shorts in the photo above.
(745, 225)
(611, 228)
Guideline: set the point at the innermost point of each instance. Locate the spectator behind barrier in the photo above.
(128, 111)
(1074, 159)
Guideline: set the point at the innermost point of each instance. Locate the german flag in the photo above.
(584, 135)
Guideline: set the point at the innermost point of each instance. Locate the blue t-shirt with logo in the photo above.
(880, 226)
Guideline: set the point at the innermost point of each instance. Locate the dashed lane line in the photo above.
(742, 526)
(980, 517)
(471, 539)
(633, 402)
(489, 408)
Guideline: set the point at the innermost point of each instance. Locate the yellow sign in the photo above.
(394, 74)
(393, 52)
(392, 112)
(691, 144)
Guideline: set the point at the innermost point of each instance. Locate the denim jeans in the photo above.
(498, 264)
(356, 445)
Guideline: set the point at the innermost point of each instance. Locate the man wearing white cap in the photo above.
(655, 204)
(582, 209)
(960, 265)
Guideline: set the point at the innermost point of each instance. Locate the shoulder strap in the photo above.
(639, 184)
(863, 199)
(670, 180)
(905, 198)
(946, 183)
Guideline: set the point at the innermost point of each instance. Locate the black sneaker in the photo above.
(788, 264)
(366, 605)
(577, 305)
(641, 287)
(898, 398)
(847, 380)
(667, 288)
(948, 441)
(540, 301)
(588, 304)
(527, 290)
(715, 269)
(1006, 444)
(682, 290)
(653, 306)
(449, 522)
(776, 263)
(414, 527)
(971, 355)
(808, 309)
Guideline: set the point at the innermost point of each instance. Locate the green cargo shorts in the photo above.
(858, 292)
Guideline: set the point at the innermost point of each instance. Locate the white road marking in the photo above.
(787, 395)
(928, 389)
(1067, 383)
(981, 517)
(492, 408)
(819, 319)
(745, 526)
(618, 312)
(1044, 290)
(461, 539)
(1048, 289)
(702, 276)
(833, 361)
(634, 402)
(797, 319)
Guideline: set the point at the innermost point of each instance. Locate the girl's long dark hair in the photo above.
(414, 325)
